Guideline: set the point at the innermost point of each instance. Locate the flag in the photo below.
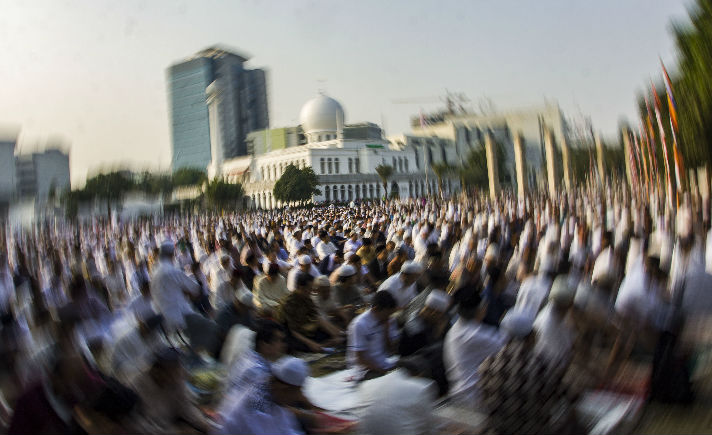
(657, 103)
(641, 147)
(672, 105)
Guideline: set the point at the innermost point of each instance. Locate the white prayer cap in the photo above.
(346, 270)
(411, 267)
(245, 297)
(290, 370)
(438, 300)
(517, 324)
(167, 248)
(561, 291)
(305, 260)
(323, 280)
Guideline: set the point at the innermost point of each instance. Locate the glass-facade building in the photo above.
(242, 106)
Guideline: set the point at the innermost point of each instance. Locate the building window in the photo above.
(406, 164)
(358, 192)
(329, 164)
(336, 166)
(370, 190)
(430, 155)
(417, 159)
(351, 192)
(357, 164)
(395, 166)
(327, 193)
(351, 163)
(343, 193)
(322, 164)
(444, 154)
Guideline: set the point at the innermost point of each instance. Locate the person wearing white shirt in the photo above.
(324, 248)
(266, 409)
(402, 285)
(371, 337)
(171, 289)
(554, 331)
(467, 344)
(353, 243)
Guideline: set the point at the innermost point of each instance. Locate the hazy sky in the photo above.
(93, 72)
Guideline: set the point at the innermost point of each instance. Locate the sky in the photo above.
(91, 75)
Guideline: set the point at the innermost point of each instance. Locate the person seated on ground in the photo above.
(467, 344)
(401, 402)
(307, 330)
(426, 327)
(377, 272)
(424, 334)
(554, 327)
(239, 311)
(269, 290)
(132, 354)
(345, 291)
(372, 336)
(270, 408)
(164, 394)
(302, 265)
(402, 286)
(519, 392)
(326, 303)
(437, 280)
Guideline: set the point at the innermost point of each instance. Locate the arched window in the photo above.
(327, 193)
(343, 193)
(358, 191)
(329, 164)
(351, 192)
(351, 165)
(406, 164)
(370, 190)
(395, 166)
(357, 164)
(336, 165)
(417, 159)
(322, 164)
(400, 164)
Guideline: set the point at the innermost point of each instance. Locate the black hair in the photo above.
(304, 279)
(438, 278)
(469, 304)
(265, 331)
(380, 248)
(383, 300)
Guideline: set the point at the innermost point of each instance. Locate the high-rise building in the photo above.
(242, 105)
(42, 174)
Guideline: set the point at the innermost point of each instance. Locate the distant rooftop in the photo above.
(219, 50)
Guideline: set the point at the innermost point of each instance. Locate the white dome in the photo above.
(321, 114)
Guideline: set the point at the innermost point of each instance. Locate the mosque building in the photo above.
(344, 157)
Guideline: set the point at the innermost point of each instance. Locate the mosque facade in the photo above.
(345, 164)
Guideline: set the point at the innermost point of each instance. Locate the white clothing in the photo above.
(168, 286)
(401, 293)
(365, 334)
(555, 338)
(397, 403)
(532, 294)
(467, 345)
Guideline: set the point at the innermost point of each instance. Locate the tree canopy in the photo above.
(222, 195)
(189, 177)
(296, 185)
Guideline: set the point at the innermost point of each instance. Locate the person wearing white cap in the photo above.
(345, 292)
(402, 285)
(266, 410)
(171, 289)
(303, 265)
(353, 243)
(554, 328)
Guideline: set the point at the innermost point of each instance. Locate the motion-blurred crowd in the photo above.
(512, 308)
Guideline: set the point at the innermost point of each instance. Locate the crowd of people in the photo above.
(509, 307)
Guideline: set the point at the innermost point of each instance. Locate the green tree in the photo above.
(155, 184)
(110, 187)
(189, 177)
(296, 185)
(441, 170)
(474, 171)
(384, 173)
(221, 195)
